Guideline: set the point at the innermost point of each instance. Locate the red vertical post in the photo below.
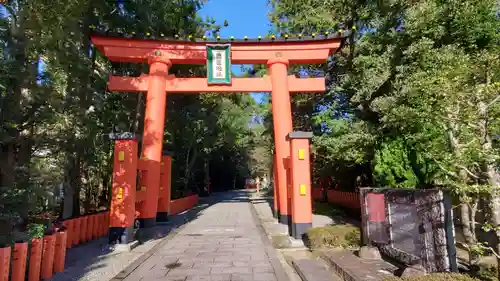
(300, 168)
(4, 263)
(60, 251)
(122, 211)
(101, 224)
(276, 210)
(165, 188)
(49, 243)
(107, 214)
(282, 123)
(35, 260)
(105, 223)
(83, 228)
(88, 233)
(19, 259)
(77, 227)
(289, 191)
(154, 121)
(69, 224)
(93, 232)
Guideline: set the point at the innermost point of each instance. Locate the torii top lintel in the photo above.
(303, 50)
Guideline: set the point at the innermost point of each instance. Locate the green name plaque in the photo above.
(219, 64)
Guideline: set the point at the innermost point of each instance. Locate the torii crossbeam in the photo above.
(277, 53)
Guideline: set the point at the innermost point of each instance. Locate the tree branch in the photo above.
(468, 171)
(493, 101)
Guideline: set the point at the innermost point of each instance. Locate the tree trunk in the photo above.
(190, 160)
(137, 116)
(491, 174)
(11, 108)
(467, 216)
(493, 177)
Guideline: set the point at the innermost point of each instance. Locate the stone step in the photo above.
(314, 270)
(352, 268)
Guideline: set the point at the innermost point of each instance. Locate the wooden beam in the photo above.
(200, 85)
(181, 52)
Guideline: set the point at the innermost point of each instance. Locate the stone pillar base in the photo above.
(146, 222)
(121, 235)
(162, 217)
(285, 219)
(414, 270)
(300, 228)
(369, 253)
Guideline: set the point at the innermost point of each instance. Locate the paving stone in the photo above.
(263, 269)
(212, 264)
(264, 277)
(241, 277)
(188, 272)
(212, 277)
(232, 258)
(176, 278)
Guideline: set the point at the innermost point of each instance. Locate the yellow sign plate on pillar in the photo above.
(121, 156)
(302, 154)
(120, 193)
(302, 189)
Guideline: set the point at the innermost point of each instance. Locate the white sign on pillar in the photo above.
(219, 64)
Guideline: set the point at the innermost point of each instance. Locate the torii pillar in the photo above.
(152, 144)
(282, 123)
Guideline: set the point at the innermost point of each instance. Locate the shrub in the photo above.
(435, 277)
(344, 235)
(36, 230)
(486, 273)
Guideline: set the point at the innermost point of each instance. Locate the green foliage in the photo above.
(487, 274)
(337, 236)
(435, 277)
(36, 230)
(392, 166)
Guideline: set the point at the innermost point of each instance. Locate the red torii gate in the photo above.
(292, 190)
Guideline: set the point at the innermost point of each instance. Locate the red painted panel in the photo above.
(376, 207)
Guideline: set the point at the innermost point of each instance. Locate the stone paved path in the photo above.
(223, 243)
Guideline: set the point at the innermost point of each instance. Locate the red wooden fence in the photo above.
(47, 255)
(182, 204)
(345, 199)
(317, 193)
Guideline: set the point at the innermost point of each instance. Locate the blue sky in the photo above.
(245, 18)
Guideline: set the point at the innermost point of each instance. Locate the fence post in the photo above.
(4, 263)
(19, 261)
(76, 234)
(35, 259)
(83, 228)
(69, 224)
(49, 243)
(90, 231)
(106, 223)
(103, 224)
(60, 251)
